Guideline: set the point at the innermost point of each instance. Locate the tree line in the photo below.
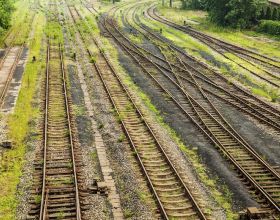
(236, 13)
(6, 9)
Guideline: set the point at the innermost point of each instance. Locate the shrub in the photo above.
(270, 27)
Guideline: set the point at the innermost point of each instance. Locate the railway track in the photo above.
(7, 67)
(192, 75)
(261, 176)
(10, 60)
(269, 66)
(173, 197)
(57, 169)
(212, 83)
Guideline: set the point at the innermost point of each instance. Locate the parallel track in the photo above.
(14, 54)
(262, 177)
(172, 195)
(59, 189)
(184, 69)
(269, 66)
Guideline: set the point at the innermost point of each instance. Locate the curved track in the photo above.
(173, 197)
(262, 177)
(269, 67)
(211, 82)
(211, 85)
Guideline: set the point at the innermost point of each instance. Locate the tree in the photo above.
(274, 14)
(262, 14)
(218, 10)
(193, 4)
(235, 13)
(6, 8)
(244, 13)
(268, 13)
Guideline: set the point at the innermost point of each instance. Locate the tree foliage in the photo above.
(274, 15)
(268, 13)
(193, 4)
(6, 8)
(235, 13)
(271, 27)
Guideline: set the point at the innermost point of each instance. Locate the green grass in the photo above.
(54, 32)
(207, 55)
(247, 38)
(19, 126)
(128, 213)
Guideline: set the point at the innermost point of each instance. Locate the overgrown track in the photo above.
(269, 66)
(204, 79)
(172, 195)
(12, 55)
(59, 189)
(254, 170)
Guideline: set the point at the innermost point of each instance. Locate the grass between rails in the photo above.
(205, 54)
(250, 39)
(222, 199)
(19, 125)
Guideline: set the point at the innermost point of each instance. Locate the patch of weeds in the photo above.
(128, 213)
(54, 31)
(129, 107)
(143, 196)
(120, 117)
(37, 199)
(100, 126)
(274, 95)
(61, 215)
(93, 59)
(79, 110)
(69, 165)
(94, 155)
(121, 138)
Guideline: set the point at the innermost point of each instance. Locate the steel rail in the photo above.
(188, 193)
(256, 184)
(45, 190)
(43, 201)
(78, 208)
(274, 113)
(10, 75)
(120, 34)
(236, 48)
(224, 55)
(260, 116)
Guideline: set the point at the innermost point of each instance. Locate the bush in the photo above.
(270, 27)
(6, 9)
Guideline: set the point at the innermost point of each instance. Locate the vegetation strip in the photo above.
(253, 58)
